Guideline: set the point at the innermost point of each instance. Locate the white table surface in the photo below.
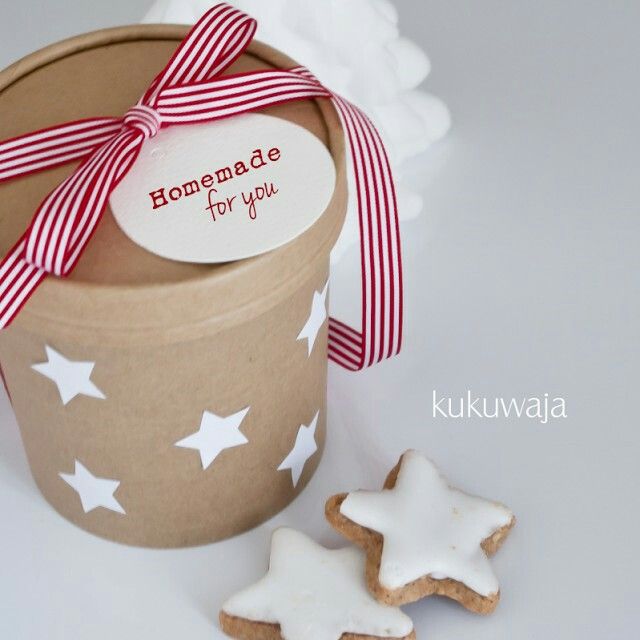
(522, 278)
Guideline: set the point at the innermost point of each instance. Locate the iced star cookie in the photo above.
(423, 537)
(312, 593)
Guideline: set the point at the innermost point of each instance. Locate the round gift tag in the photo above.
(225, 190)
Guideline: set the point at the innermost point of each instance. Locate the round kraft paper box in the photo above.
(109, 369)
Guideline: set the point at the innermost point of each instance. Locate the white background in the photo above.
(521, 277)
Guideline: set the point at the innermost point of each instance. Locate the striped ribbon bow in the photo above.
(189, 90)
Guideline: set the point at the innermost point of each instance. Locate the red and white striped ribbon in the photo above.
(190, 90)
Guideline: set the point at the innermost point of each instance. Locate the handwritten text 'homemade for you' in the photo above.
(220, 206)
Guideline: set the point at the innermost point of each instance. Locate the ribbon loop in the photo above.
(216, 41)
(190, 90)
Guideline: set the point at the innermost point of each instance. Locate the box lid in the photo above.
(117, 286)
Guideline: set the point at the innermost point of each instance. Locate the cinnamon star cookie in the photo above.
(423, 537)
(312, 593)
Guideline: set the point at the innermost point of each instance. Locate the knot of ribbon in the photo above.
(143, 119)
(192, 89)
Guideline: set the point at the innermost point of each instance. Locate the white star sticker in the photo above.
(72, 378)
(429, 528)
(94, 492)
(316, 319)
(315, 593)
(215, 435)
(304, 447)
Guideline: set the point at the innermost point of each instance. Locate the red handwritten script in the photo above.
(164, 196)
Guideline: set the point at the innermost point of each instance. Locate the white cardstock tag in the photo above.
(225, 190)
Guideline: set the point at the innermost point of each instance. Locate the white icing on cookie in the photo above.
(429, 528)
(315, 593)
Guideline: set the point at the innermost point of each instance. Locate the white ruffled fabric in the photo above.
(355, 48)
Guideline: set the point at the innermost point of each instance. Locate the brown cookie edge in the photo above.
(244, 629)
